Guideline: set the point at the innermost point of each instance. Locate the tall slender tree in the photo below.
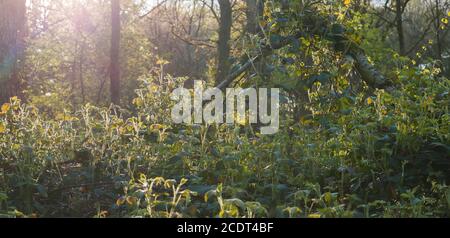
(252, 18)
(115, 52)
(437, 26)
(400, 6)
(12, 44)
(223, 47)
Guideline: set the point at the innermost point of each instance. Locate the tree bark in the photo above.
(438, 30)
(223, 47)
(399, 9)
(12, 45)
(254, 12)
(115, 52)
(366, 70)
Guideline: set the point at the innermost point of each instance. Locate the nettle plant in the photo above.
(156, 197)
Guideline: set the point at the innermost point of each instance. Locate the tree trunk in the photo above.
(223, 47)
(399, 8)
(438, 30)
(251, 13)
(115, 52)
(12, 35)
(81, 78)
(254, 12)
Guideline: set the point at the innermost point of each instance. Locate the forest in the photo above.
(87, 107)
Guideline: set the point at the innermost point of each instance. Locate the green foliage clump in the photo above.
(385, 155)
(344, 149)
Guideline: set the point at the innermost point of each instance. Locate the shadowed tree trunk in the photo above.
(223, 47)
(400, 6)
(115, 52)
(254, 12)
(12, 45)
(437, 4)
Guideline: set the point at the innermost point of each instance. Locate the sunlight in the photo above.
(224, 109)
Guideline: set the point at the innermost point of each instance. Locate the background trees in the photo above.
(200, 39)
(12, 45)
(417, 23)
(364, 108)
(115, 52)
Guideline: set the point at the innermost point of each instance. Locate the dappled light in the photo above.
(224, 109)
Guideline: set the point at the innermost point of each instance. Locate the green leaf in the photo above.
(42, 190)
(236, 202)
(448, 198)
(328, 197)
(209, 194)
(275, 39)
(323, 78)
(3, 197)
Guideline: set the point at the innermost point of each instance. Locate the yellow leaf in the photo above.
(369, 101)
(2, 128)
(120, 201)
(157, 127)
(170, 183)
(328, 197)
(5, 107)
(444, 20)
(132, 200)
(65, 117)
(314, 216)
(162, 62)
(138, 102)
(263, 23)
